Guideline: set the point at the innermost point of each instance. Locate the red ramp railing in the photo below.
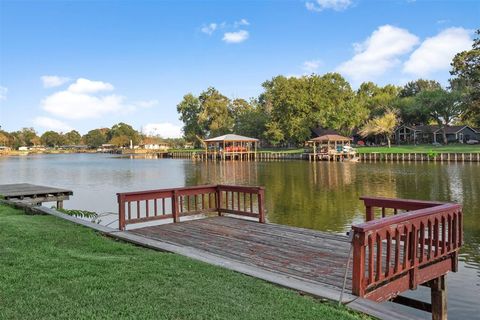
(420, 242)
(151, 205)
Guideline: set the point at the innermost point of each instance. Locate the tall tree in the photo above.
(249, 118)
(25, 137)
(215, 117)
(442, 106)
(52, 139)
(298, 104)
(382, 125)
(95, 138)
(466, 77)
(189, 109)
(124, 130)
(72, 137)
(377, 100)
(413, 88)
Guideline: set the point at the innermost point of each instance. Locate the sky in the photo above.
(88, 64)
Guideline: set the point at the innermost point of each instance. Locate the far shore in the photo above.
(424, 149)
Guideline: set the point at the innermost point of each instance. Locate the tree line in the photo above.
(119, 135)
(289, 107)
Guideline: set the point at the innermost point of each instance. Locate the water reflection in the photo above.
(320, 195)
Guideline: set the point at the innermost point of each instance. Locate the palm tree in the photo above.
(385, 125)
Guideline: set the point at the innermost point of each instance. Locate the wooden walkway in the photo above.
(412, 243)
(34, 194)
(307, 255)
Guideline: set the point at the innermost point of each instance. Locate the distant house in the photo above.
(456, 134)
(155, 146)
(406, 134)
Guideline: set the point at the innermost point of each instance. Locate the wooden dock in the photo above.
(34, 194)
(306, 255)
(402, 244)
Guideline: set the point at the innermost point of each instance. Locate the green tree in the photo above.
(6, 139)
(413, 88)
(189, 109)
(274, 134)
(249, 118)
(124, 130)
(410, 111)
(25, 137)
(442, 106)
(52, 139)
(377, 100)
(214, 117)
(466, 77)
(382, 125)
(95, 138)
(120, 141)
(296, 105)
(72, 137)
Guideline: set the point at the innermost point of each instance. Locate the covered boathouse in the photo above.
(231, 147)
(332, 147)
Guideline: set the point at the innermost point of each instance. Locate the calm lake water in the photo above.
(322, 196)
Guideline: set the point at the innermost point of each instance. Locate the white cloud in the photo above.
(436, 53)
(311, 66)
(210, 28)
(378, 53)
(164, 130)
(51, 124)
(241, 22)
(85, 99)
(71, 105)
(320, 5)
(83, 85)
(53, 81)
(3, 93)
(235, 37)
(146, 103)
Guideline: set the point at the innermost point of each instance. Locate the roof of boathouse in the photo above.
(331, 138)
(231, 137)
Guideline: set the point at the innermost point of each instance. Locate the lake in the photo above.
(320, 195)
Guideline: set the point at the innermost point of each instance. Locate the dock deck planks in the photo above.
(24, 190)
(307, 255)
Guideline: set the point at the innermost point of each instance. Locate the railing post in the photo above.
(219, 201)
(261, 205)
(121, 212)
(358, 272)
(369, 213)
(175, 206)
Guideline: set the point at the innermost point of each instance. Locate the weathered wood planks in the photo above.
(308, 255)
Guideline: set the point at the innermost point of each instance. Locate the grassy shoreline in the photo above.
(50, 268)
(426, 148)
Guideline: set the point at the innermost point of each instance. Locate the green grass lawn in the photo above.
(53, 269)
(421, 149)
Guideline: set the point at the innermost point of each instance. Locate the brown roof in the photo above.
(320, 131)
(331, 137)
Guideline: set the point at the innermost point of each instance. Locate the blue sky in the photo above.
(89, 64)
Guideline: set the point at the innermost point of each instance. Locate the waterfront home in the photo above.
(406, 134)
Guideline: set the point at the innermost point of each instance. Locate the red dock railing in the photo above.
(150, 205)
(419, 243)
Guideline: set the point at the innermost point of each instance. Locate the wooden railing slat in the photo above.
(191, 200)
(424, 234)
